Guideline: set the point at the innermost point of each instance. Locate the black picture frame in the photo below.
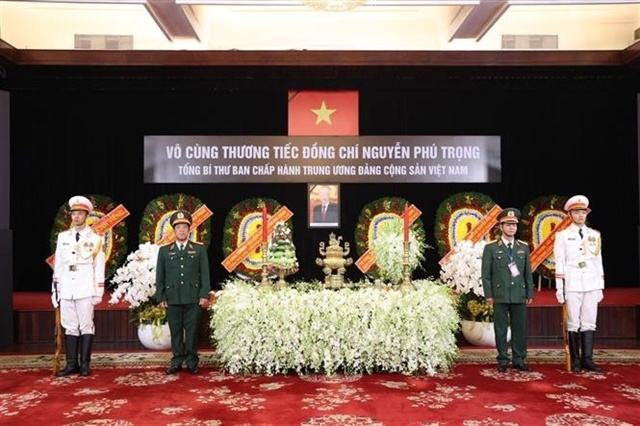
(330, 192)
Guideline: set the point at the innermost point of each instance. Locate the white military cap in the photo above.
(577, 202)
(78, 202)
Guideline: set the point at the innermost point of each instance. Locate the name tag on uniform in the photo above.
(514, 269)
(582, 264)
(72, 267)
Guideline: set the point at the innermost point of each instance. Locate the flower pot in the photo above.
(479, 333)
(160, 340)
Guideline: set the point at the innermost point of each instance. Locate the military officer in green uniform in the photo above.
(508, 285)
(182, 287)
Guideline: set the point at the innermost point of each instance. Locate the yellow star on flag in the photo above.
(324, 114)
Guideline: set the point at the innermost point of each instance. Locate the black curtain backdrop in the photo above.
(559, 136)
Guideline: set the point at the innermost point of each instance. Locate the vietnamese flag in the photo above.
(323, 113)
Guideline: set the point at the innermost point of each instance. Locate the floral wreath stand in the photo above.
(456, 216)
(539, 218)
(244, 219)
(373, 217)
(157, 214)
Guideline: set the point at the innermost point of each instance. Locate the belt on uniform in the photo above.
(580, 265)
(77, 267)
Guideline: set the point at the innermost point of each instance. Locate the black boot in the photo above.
(86, 341)
(72, 357)
(587, 352)
(574, 351)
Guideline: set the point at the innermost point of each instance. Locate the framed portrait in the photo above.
(324, 205)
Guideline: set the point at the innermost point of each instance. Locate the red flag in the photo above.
(323, 113)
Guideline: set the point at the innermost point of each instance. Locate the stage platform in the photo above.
(34, 320)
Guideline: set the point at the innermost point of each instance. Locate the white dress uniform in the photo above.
(579, 272)
(78, 285)
(579, 284)
(79, 268)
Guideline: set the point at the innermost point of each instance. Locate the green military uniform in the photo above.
(509, 293)
(182, 279)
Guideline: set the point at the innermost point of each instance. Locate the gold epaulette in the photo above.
(97, 248)
(492, 242)
(523, 242)
(92, 231)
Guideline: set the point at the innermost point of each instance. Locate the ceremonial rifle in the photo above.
(565, 333)
(57, 333)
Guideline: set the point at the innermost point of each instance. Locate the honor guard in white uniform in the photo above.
(78, 285)
(579, 281)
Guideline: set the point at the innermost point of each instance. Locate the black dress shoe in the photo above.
(193, 370)
(174, 369)
(502, 369)
(69, 369)
(522, 367)
(588, 365)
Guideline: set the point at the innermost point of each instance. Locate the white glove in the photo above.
(96, 300)
(55, 295)
(600, 296)
(560, 296)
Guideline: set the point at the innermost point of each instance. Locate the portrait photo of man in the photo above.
(324, 206)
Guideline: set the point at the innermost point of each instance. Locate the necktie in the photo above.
(510, 248)
(324, 211)
(580, 232)
(181, 247)
(77, 236)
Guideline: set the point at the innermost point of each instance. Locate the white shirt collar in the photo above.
(505, 242)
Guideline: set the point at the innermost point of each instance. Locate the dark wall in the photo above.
(562, 136)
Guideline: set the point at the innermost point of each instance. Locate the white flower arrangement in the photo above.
(388, 246)
(136, 284)
(327, 331)
(463, 273)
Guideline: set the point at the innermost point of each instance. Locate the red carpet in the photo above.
(471, 394)
(25, 300)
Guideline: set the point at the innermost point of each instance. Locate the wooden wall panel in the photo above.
(618, 326)
(35, 329)
(544, 322)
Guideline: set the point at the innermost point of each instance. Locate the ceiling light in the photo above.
(334, 5)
